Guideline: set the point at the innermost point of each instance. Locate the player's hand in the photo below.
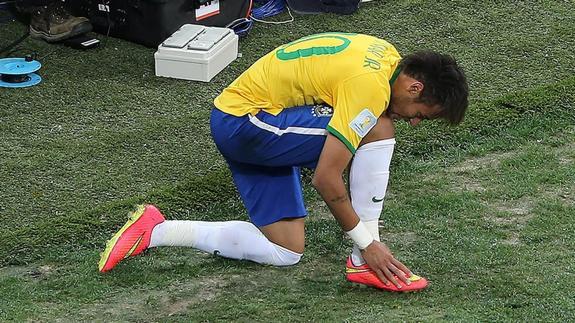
(380, 259)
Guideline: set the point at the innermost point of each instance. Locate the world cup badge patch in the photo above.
(363, 123)
(322, 110)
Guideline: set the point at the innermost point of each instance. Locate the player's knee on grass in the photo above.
(288, 233)
(284, 257)
(242, 240)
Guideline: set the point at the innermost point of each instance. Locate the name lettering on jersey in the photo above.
(363, 122)
(371, 63)
(375, 51)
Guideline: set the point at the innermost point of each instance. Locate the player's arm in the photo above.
(328, 181)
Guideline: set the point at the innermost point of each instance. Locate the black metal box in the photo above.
(149, 22)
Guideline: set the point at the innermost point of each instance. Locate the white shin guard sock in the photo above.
(230, 239)
(368, 179)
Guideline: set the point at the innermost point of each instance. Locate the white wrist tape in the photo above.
(360, 235)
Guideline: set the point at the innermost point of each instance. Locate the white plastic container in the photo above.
(196, 52)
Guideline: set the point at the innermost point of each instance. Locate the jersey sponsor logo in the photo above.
(321, 110)
(363, 123)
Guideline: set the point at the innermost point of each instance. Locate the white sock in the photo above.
(230, 239)
(368, 176)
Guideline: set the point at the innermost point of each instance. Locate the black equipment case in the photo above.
(149, 22)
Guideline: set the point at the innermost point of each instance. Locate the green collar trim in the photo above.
(394, 75)
(339, 136)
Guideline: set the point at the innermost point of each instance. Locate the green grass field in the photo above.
(486, 210)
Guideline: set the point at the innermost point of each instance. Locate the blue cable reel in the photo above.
(19, 72)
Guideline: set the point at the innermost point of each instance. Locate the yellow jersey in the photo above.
(352, 73)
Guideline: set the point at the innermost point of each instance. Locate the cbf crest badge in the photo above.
(322, 110)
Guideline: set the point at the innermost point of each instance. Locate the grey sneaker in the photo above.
(53, 23)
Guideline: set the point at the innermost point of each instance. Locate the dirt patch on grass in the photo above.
(519, 210)
(404, 238)
(150, 304)
(474, 164)
(463, 175)
(565, 194)
(511, 213)
(28, 272)
(566, 154)
(207, 290)
(14, 271)
(513, 216)
(512, 240)
(470, 186)
(567, 197)
(318, 210)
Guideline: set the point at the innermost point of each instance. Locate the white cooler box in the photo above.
(196, 52)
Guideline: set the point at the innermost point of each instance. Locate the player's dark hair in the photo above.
(444, 83)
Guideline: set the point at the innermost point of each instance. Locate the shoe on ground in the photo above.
(53, 24)
(365, 276)
(132, 238)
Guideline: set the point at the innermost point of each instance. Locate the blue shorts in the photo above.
(265, 154)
